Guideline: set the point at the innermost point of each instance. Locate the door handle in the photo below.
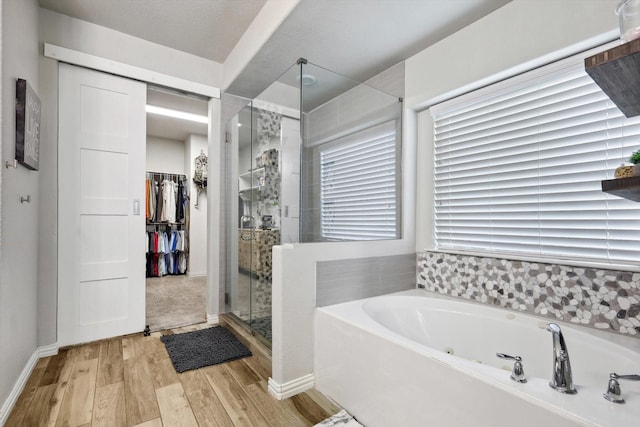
(252, 223)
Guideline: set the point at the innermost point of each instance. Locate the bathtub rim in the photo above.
(631, 342)
(536, 391)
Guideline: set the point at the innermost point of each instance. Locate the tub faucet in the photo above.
(562, 379)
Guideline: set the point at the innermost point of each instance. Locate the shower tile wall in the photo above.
(602, 299)
(352, 279)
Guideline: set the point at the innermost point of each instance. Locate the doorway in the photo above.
(102, 205)
(176, 215)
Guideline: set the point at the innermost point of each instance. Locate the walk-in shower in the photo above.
(315, 157)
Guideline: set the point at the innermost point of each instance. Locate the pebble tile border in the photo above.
(602, 299)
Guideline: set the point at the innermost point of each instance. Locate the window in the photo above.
(518, 169)
(358, 182)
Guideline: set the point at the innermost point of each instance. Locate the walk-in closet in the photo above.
(167, 210)
(175, 209)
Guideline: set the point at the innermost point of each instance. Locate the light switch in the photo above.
(136, 206)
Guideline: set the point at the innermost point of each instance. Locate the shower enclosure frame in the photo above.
(302, 93)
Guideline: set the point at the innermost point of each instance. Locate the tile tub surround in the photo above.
(351, 279)
(602, 299)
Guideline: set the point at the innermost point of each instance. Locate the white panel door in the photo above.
(101, 202)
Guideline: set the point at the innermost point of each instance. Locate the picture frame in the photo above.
(28, 115)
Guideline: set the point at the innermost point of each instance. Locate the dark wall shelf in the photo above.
(629, 188)
(617, 72)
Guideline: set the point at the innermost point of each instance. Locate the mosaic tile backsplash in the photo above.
(602, 299)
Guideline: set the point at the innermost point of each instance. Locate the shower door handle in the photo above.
(252, 223)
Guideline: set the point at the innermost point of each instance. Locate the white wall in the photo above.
(517, 37)
(290, 182)
(19, 221)
(216, 257)
(165, 155)
(272, 14)
(89, 38)
(71, 33)
(294, 298)
(198, 216)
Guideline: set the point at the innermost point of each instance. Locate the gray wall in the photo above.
(353, 279)
(19, 221)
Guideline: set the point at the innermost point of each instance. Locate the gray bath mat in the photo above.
(197, 349)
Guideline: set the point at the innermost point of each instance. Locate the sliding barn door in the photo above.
(101, 196)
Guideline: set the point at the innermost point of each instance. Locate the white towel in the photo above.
(341, 419)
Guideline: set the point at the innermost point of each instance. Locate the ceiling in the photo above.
(357, 38)
(173, 128)
(206, 28)
(354, 38)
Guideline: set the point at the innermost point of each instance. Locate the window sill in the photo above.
(550, 260)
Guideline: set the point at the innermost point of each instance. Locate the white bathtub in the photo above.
(384, 359)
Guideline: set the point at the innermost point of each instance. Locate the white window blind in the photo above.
(518, 169)
(358, 190)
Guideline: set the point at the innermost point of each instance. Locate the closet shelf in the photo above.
(628, 188)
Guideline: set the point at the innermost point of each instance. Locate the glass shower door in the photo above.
(263, 194)
(250, 234)
(240, 214)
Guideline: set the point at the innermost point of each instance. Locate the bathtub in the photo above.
(418, 359)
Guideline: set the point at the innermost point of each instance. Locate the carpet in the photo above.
(175, 301)
(197, 349)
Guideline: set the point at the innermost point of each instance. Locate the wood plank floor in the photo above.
(130, 381)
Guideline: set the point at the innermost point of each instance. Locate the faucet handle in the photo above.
(517, 373)
(613, 388)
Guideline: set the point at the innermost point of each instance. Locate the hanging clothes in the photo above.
(180, 202)
(150, 200)
(146, 199)
(169, 197)
(167, 213)
(157, 197)
(165, 253)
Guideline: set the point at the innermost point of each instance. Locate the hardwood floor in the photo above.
(130, 381)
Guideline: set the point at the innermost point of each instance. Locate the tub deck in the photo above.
(392, 377)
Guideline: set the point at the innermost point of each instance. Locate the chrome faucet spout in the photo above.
(562, 379)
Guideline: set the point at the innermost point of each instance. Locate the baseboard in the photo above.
(291, 388)
(196, 274)
(213, 319)
(48, 350)
(8, 404)
(40, 352)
